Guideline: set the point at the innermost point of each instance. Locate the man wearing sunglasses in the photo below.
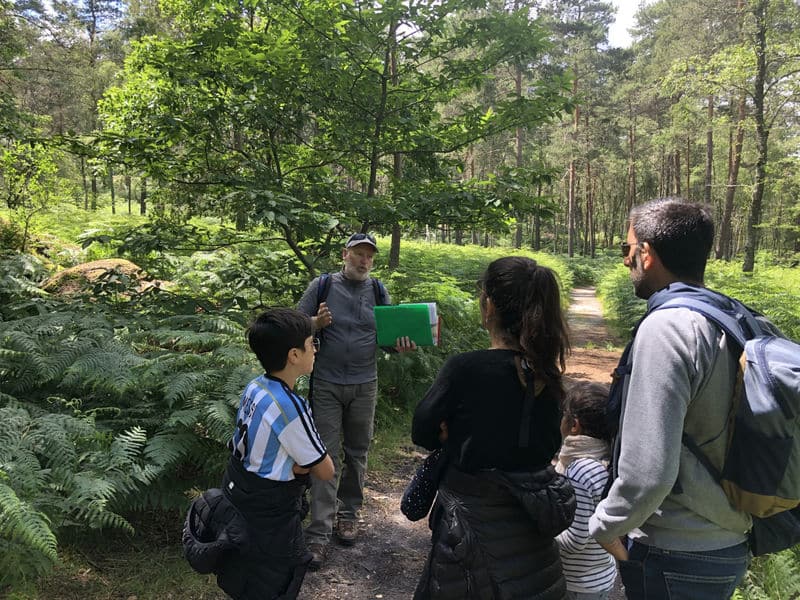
(684, 538)
(345, 388)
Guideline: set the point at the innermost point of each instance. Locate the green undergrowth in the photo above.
(118, 399)
(771, 290)
(146, 565)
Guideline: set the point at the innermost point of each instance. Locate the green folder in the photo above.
(419, 322)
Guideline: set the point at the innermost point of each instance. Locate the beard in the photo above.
(354, 274)
(640, 286)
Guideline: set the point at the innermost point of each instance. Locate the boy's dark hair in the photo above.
(586, 401)
(275, 332)
(680, 232)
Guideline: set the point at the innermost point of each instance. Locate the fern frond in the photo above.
(57, 438)
(165, 449)
(183, 386)
(127, 446)
(772, 577)
(186, 418)
(197, 341)
(211, 323)
(107, 371)
(20, 522)
(220, 419)
(89, 502)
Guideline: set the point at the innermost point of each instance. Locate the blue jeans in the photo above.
(656, 574)
(343, 415)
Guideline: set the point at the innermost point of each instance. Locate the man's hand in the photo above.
(323, 318)
(403, 344)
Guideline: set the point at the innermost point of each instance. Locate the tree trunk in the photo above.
(677, 158)
(394, 248)
(709, 151)
(537, 220)
(724, 247)
(571, 200)
(631, 191)
(129, 191)
(85, 184)
(111, 189)
(94, 190)
(796, 235)
(688, 168)
(518, 145)
(725, 242)
(762, 136)
(589, 235)
(143, 197)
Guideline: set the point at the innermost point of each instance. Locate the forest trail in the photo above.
(388, 558)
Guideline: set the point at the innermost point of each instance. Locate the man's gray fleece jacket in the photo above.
(682, 376)
(347, 353)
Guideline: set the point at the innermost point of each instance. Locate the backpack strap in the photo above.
(323, 288)
(379, 290)
(741, 327)
(695, 449)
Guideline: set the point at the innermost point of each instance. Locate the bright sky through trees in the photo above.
(618, 35)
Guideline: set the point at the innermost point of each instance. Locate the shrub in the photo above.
(11, 236)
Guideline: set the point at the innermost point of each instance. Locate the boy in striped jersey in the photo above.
(585, 453)
(274, 448)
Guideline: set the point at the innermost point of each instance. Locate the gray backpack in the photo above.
(761, 472)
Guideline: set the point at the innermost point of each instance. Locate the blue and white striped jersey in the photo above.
(275, 431)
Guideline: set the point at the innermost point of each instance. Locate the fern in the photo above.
(27, 533)
(772, 577)
(105, 371)
(220, 419)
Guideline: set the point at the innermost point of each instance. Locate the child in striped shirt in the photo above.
(585, 453)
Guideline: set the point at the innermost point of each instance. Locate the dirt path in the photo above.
(388, 558)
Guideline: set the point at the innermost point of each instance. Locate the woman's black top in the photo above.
(481, 398)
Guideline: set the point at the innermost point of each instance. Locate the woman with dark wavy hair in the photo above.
(496, 415)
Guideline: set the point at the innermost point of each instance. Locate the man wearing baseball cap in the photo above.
(345, 388)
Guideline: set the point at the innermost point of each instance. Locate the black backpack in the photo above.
(213, 531)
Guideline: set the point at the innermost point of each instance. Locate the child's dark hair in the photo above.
(275, 332)
(527, 305)
(586, 401)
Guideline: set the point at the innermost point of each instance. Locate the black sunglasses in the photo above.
(626, 248)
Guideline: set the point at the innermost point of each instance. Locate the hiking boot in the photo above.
(347, 532)
(319, 552)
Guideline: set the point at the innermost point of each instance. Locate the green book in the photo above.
(420, 322)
